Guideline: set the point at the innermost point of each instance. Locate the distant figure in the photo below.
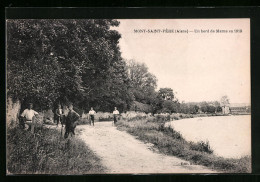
(29, 117)
(65, 111)
(92, 115)
(115, 114)
(58, 115)
(71, 122)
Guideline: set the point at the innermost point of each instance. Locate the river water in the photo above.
(228, 136)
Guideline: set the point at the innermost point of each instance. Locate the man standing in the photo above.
(71, 122)
(58, 115)
(115, 114)
(92, 115)
(29, 117)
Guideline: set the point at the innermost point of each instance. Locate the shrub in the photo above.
(174, 117)
(163, 117)
(134, 116)
(151, 119)
(140, 107)
(201, 146)
(47, 152)
(100, 116)
(170, 132)
(83, 121)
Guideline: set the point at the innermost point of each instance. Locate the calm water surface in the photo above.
(228, 136)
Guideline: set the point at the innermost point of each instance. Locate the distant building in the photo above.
(236, 108)
(240, 108)
(225, 110)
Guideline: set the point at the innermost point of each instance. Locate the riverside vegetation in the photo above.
(47, 152)
(170, 142)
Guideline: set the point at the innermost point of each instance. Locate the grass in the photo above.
(47, 152)
(170, 142)
(201, 146)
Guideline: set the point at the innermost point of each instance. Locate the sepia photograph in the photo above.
(128, 96)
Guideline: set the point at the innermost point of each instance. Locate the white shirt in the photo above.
(92, 112)
(116, 112)
(28, 114)
(60, 111)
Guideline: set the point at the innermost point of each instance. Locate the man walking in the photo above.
(115, 114)
(71, 122)
(92, 115)
(29, 117)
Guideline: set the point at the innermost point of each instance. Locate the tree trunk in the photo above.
(12, 112)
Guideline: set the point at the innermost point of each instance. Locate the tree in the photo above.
(184, 108)
(143, 82)
(224, 100)
(75, 61)
(31, 70)
(219, 109)
(157, 103)
(204, 106)
(193, 109)
(114, 92)
(211, 109)
(166, 93)
(170, 106)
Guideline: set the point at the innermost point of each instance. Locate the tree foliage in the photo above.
(66, 60)
(224, 100)
(79, 61)
(166, 93)
(143, 82)
(169, 106)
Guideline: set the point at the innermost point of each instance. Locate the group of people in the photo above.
(69, 119)
(92, 114)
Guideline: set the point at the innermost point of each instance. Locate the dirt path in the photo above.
(121, 152)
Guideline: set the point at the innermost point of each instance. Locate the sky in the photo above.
(200, 66)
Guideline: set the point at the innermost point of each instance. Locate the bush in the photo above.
(151, 119)
(104, 116)
(83, 121)
(174, 117)
(100, 116)
(162, 117)
(170, 132)
(201, 146)
(140, 107)
(134, 116)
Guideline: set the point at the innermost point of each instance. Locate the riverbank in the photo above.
(122, 153)
(168, 141)
(47, 152)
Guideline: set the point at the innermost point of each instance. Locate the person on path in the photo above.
(29, 117)
(115, 114)
(92, 115)
(71, 122)
(58, 115)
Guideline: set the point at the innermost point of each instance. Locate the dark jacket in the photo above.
(71, 119)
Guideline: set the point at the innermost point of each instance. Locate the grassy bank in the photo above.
(170, 142)
(46, 152)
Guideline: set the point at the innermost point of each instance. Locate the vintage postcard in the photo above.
(128, 96)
